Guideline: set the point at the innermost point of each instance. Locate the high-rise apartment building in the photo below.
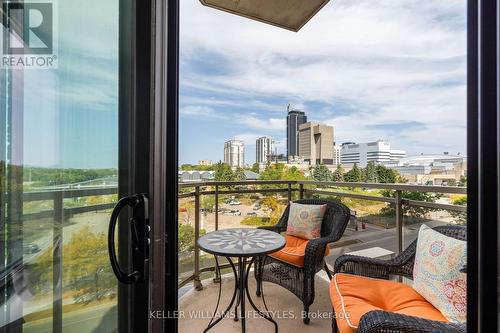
(234, 153)
(264, 147)
(316, 143)
(294, 119)
(362, 153)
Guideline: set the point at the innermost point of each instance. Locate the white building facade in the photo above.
(435, 169)
(336, 155)
(361, 153)
(234, 153)
(264, 147)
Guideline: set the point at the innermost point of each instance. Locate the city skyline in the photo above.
(368, 80)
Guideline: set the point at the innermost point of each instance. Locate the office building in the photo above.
(264, 147)
(336, 154)
(435, 169)
(294, 119)
(234, 153)
(316, 143)
(277, 158)
(361, 153)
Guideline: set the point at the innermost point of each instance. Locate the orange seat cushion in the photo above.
(294, 251)
(353, 296)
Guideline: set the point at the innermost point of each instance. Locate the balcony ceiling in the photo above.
(287, 14)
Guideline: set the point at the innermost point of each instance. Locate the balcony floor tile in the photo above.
(196, 303)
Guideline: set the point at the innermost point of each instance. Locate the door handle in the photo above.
(140, 239)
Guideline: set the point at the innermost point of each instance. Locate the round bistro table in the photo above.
(240, 243)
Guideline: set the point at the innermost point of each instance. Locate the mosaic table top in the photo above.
(241, 242)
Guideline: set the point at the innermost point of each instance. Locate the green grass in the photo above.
(257, 221)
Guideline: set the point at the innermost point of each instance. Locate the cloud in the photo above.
(271, 124)
(362, 66)
(200, 111)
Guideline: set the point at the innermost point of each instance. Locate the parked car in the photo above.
(256, 207)
(252, 214)
(235, 203)
(234, 212)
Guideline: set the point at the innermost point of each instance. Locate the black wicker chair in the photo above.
(300, 280)
(402, 265)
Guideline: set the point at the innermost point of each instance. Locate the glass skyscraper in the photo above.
(294, 119)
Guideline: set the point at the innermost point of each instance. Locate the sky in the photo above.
(389, 69)
(70, 114)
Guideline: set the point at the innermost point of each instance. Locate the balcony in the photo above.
(385, 219)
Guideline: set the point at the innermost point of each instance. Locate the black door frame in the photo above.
(134, 156)
(483, 165)
(162, 112)
(148, 135)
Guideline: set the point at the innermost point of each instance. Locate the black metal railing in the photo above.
(196, 190)
(306, 188)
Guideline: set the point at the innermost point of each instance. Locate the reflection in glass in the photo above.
(59, 178)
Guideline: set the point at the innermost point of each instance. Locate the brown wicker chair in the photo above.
(402, 265)
(300, 280)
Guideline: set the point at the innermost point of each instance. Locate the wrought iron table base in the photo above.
(240, 289)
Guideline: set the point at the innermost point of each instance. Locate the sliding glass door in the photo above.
(77, 135)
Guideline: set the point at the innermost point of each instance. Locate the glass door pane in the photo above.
(58, 165)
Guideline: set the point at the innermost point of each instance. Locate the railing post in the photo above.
(301, 191)
(399, 219)
(216, 207)
(197, 281)
(216, 271)
(57, 269)
(289, 192)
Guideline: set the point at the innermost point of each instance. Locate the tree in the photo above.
(460, 217)
(186, 238)
(208, 203)
(270, 203)
(412, 211)
(354, 175)
(256, 168)
(86, 267)
(461, 200)
(370, 173)
(292, 173)
(239, 175)
(386, 175)
(223, 173)
(196, 167)
(85, 256)
(451, 182)
(273, 172)
(275, 207)
(463, 181)
(338, 174)
(321, 173)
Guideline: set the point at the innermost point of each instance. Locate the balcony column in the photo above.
(216, 271)
(57, 269)
(197, 281)
(216, 207)
(399, 219)
(301, 191)
(289, 192)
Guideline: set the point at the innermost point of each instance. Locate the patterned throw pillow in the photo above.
(304, 221)
(437, 276)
